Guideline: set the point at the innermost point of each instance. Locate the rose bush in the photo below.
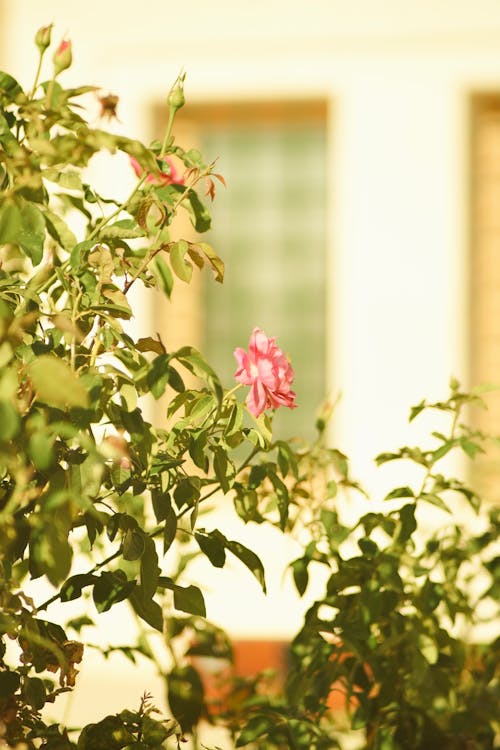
(105, 507)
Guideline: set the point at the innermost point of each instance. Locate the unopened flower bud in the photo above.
(42, 37)
(176, 96)
(62, 56)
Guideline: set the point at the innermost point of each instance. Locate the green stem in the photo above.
(37, 75)
(168, 131)
(428, 472)
(50, 91)
(76, 302)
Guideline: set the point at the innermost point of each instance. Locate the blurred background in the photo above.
(360, 141)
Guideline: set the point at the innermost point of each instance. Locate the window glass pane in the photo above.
(269, 227)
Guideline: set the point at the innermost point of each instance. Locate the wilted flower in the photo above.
(161, 178)
(268, 371)
(108, 103)
(62, 56)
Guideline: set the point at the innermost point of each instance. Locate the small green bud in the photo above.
(42, 37)
(176, 95)
(62, 56)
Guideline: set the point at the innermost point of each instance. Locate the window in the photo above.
(269, 227)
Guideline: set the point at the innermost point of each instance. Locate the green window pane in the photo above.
(269, 227)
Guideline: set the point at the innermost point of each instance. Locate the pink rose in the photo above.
(268, 371)
(161, 178)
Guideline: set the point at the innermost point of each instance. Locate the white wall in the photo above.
(397, 74)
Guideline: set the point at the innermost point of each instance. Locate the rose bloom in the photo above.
(162, 178)
(268, 371)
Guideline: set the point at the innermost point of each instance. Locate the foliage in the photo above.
(85, 476)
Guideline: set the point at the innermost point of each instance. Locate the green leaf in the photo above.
(111, 588)
(150, 570)
(367, 546)
(185, 696)
(186, 598)
(108, 734)
(195, 362)
(221, 464)
(255, 727)
(147, 609)
(200, 218)
(250, 559)
(428, 648)
(41, 450)
(51, 554)
(9, 86)
(70, 179)
(282, 498)
(408, 522)
(435, 500)
(163, 275)
(216, 263)
(158, 375)
(122, 230)
(182, 268)
(31, 234)
(300, 574)
(400, 492)
(34, 692)
(212, 545)
(470, 448)
(55, 383)
(443, 450)
(79, 250)
(9, 421)
(187, 491)
(10, 223)
(383, 458)
(169, 530)
(415, 410)
(189, 599)
(60, 231)
(149, 344)
(133, 544)
(9, 682)
(72, 587)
